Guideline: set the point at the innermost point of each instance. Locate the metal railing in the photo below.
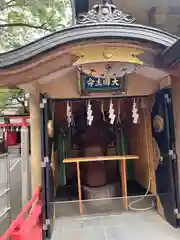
(14, 176)
(5, 198)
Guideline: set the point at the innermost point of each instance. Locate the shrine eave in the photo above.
(87, 32)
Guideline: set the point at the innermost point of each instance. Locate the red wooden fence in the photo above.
(30, 227)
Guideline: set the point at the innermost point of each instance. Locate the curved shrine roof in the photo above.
(87, 32)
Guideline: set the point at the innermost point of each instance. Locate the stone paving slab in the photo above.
(126, 226)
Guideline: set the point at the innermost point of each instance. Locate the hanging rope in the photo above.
(102, 111)
(149, 168)
(72, 116)
(122, 149)
(119, 112)
(68, 143)
(61, 153)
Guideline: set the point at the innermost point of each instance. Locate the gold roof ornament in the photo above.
(107, 54)
(104, 13)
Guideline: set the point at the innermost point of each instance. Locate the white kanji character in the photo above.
(90, 82)
(115, 81)
(99, 82)
(107, 81)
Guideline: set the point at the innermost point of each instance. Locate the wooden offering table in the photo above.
(122, 158)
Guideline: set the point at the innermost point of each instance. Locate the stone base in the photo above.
(100, 197)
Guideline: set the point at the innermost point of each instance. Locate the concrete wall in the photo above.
(163, 14)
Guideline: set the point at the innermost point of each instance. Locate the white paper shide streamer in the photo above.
(135, 114)
(112, 115)
(69, 114)
(90, 116)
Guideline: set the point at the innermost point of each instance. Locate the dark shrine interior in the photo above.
(99, 139)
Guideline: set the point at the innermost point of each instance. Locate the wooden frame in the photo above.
(122, 158)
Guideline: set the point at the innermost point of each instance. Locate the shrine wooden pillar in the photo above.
(34, 105)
